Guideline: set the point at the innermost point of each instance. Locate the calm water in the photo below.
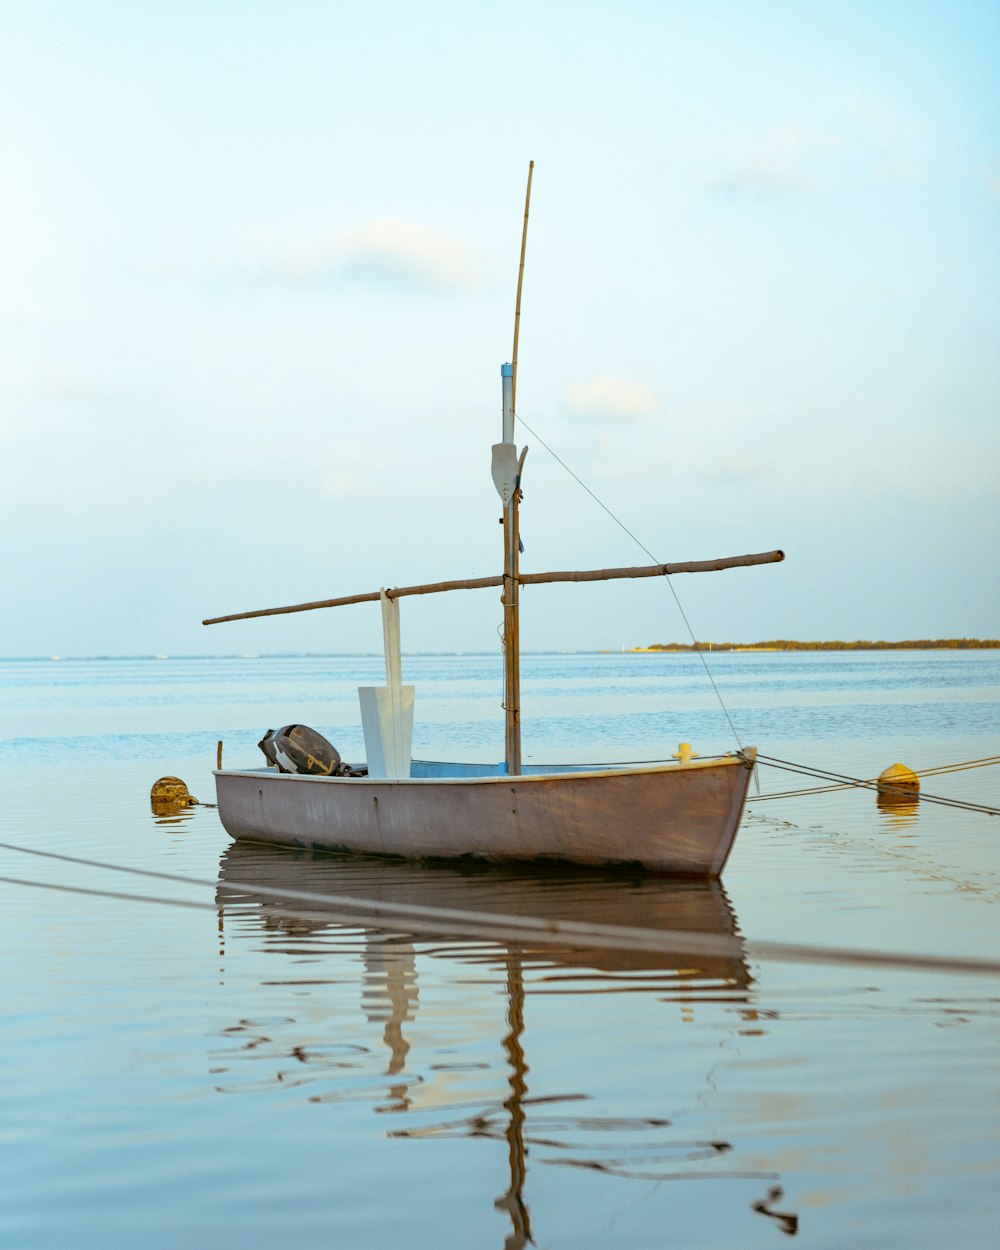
(202, 1067)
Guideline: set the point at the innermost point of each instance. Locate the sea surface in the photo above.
(186, 1061)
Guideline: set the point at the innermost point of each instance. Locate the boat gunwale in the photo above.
(746, 758)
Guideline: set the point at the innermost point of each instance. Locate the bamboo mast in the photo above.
(511, 621)
(520, 280)
(512, 546)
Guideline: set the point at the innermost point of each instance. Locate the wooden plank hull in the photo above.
(669, 818)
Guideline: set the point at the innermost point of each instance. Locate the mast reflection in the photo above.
(389, 941)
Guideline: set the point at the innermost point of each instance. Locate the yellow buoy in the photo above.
(898, 784)
(170, 795)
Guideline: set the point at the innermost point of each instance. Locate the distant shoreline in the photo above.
(783, 644)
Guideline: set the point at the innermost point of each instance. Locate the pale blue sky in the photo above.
(257, 272)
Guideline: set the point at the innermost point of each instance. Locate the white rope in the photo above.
(458, 922)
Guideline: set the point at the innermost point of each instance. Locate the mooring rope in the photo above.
(499, 927)
(917, 772)
(844, 782)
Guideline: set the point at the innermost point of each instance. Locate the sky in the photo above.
(257, 274)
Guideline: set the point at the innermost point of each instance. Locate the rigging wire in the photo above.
(499, 927)
(656, 560)
(841, 781)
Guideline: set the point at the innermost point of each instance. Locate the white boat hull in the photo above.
(670, 818)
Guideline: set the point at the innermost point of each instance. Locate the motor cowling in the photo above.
(299, 749)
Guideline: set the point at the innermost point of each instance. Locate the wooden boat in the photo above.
(674, 817)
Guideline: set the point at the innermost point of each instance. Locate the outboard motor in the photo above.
(299, 749)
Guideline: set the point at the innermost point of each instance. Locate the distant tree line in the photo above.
(789, 644)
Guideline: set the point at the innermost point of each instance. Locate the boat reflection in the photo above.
(403, 913)
(304, 891)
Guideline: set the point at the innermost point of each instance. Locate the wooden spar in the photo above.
(525, 579)
(654, 570)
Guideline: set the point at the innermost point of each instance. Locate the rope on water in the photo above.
(843, 782)
(919, 772)
(505, 928)
(850, 785)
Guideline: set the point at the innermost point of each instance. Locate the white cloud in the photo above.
(345, 484)
(779, 166)
(773, 170)
(386, 252)
(865, 134)
(895, 143)
(604, 396)
(40, 402)
(736, 468)
(55, 381)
